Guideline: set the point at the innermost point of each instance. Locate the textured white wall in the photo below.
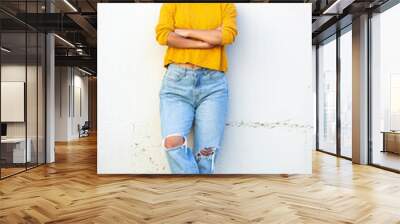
(270, 123)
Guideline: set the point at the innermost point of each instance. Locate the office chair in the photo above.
(84, 130)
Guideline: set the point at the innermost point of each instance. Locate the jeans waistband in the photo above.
(182, 69)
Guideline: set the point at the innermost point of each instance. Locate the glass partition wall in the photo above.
(13, 89)
(22, 78)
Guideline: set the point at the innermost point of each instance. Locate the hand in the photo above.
(219, 28)
(205, 45)
(182, 32)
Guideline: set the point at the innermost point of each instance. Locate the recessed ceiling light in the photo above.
(70, 5)
(338, 6)
(64, 40)
(5, 50)
(84, 71)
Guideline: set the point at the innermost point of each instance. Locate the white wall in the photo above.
(270, 125)
(80, 84)
(68, 81)
(17, 73)
(61, 103)
(12, 73)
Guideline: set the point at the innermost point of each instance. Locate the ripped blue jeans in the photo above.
(199, 97)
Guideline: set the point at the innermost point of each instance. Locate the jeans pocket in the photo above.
(215, 75)
(174, 75)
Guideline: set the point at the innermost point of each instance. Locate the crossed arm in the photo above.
(167, 34)
(191, 38)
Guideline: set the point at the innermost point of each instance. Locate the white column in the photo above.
(360, 90)
(50, 94)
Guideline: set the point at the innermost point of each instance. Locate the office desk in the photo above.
(391, 141)
(16, 147)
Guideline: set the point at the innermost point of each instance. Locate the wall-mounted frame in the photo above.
(12, 98)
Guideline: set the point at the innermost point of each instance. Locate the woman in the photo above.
(194, 88)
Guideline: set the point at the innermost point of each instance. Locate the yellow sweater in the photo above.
(197, 16)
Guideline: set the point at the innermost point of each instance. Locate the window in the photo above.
(327, 97)
(385, 89)
(346, 94)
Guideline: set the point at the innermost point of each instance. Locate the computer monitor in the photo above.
(3, 130)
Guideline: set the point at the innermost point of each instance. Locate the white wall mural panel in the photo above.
(12, 101)
(270, 126)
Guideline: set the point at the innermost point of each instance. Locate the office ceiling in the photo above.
(76, 22)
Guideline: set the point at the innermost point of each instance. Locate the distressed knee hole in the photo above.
(173, 141)
(206, 152)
